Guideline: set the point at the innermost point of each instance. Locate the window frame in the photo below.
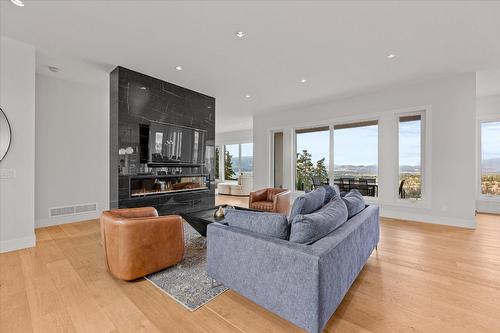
(354, 121)
(294, 150)
(423, 158)
(480, 195)
(235, 158)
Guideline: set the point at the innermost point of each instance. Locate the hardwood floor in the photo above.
(424, 278)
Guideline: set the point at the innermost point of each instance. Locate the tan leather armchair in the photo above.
(138, 242)
(275, 200)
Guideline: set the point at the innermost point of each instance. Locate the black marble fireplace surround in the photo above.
(162, 145)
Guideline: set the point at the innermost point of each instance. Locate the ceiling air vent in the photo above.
(72, 210)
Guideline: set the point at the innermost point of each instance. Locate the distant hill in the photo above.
(370, 169)
(246, 163)
(491, 165)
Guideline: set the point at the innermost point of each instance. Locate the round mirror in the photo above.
(4, 134)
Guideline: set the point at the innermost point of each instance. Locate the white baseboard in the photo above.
(488, 206)
(450, 221)
(17, 244)
(50, 221)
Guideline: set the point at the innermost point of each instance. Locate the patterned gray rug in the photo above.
(187, 282)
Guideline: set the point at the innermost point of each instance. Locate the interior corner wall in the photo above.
(72, 147)
(17, 99)
(488, 108)
(452, 141)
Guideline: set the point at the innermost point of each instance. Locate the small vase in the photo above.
(219, 213)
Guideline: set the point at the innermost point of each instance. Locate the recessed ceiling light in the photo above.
(247, 96)
(54, 69)
(143, 88)
(240, 34)
(303, 80)
(17, 3)
(391, 56)
(179, 68)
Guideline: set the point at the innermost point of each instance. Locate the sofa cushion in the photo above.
(308, 203)
(330, 192)
(355, 202)
(270, 224)
(262, 205)
(308, 228)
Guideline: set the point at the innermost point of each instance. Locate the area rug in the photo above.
(187, 282)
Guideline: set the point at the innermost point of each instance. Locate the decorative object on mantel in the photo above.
(5, 134)
(188, 282)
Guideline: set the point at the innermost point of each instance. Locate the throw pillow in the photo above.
(308, 203)
(355, 202)
(309, 228)
(331, 191)
(269, 224)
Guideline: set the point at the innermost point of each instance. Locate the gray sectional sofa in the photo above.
(303, 283)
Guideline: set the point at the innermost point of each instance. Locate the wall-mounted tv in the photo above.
(170, 145)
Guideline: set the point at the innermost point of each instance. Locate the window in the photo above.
(238, 158)
(231, 161)
(356, 157)
(217, 157)
(246, 157)
(490, 158)
(410, 157)
(312, 148)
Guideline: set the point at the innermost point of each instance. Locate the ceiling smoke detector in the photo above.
(53, 69)
(391, 56)
(179, 68)
(240, 34)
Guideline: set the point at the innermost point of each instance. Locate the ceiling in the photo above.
(339, 47)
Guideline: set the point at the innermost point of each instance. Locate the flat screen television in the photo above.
(170, 145)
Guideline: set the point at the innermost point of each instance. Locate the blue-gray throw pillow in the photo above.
(308, 203)
(355, 202)
(309, 228)
(330, 192)
(270, 224)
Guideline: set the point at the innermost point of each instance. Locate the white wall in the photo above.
(72, 147)
(488, 108)
(17, 98)
(450, 167)
(242, 136)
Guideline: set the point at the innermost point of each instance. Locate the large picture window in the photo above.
(238, 158)
(356, 157)
(490, 158)
(312, 147)
(410, 157)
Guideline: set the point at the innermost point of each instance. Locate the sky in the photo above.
(246, 149)
(359, 146)
(490, 140)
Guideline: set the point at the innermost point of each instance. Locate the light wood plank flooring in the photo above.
(424, 278)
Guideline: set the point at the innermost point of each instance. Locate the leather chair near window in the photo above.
(276, 200)
(138, 242)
